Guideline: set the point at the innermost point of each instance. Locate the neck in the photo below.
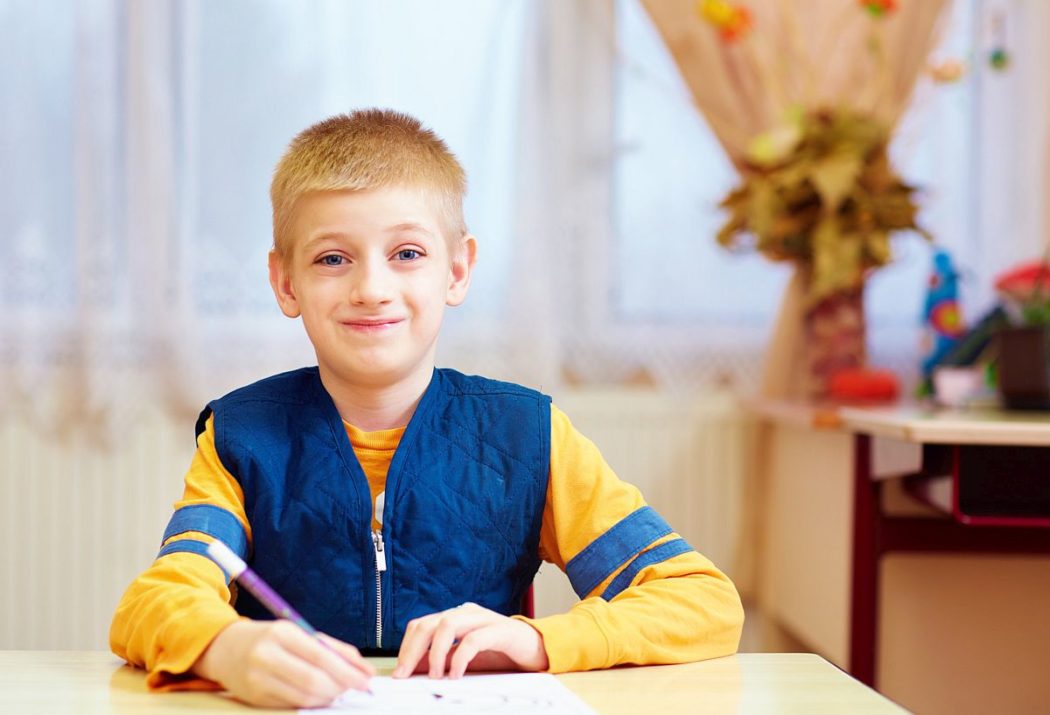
(372, 407)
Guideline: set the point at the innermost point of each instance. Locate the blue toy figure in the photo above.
(942, 320)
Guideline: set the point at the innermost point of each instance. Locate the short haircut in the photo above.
(367, 149)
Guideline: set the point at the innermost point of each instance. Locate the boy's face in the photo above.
(371, 273)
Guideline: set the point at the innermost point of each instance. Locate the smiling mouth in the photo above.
(372, 325)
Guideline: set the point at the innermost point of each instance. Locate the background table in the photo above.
(875, 533)
(945, 613)
(90, 683)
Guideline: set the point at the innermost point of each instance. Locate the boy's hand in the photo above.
(277, 664)
(486, 641)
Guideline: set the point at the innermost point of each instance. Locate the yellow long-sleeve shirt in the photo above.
(676, 610)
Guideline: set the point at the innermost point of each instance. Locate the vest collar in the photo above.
(431, 396)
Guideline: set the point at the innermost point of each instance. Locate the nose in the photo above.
(371, 284)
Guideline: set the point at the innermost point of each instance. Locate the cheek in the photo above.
(319, 295)
(433, 289)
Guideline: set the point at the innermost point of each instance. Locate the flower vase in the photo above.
(835, 337)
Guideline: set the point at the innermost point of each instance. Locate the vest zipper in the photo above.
(377, 546)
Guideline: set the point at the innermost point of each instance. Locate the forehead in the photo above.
(363, 212)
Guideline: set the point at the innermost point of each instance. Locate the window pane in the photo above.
(670, 175)
(259, 73)
(37, 252)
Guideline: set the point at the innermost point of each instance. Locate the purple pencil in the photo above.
(235, 566)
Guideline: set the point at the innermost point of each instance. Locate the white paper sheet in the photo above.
(515, 693)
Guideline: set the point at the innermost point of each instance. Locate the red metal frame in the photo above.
(528, 603)
(875, 534)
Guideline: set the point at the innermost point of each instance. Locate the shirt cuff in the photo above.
(184, 645)
(573, 640)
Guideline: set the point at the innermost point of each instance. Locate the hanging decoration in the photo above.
(732, 20)
(948, 71)
(999, 56)
(879, 8)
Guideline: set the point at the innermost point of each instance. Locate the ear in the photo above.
(461, 266)
(281, 282)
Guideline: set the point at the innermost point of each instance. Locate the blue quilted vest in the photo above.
(464, 502)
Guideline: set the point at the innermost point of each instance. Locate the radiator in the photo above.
(689, 455)
(78, 522)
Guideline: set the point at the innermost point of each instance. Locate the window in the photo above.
(670, 174)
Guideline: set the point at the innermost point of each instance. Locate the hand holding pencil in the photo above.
(283, 663)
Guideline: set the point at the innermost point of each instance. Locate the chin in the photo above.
(375, 374)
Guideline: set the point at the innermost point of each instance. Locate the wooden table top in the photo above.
(914, 422)
(945, 426)
(95, 682)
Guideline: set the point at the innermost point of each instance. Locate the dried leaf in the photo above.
(877, 248)
(835, 176)
(829, 204)
(836, 260)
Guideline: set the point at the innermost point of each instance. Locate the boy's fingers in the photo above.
(415, 644)
(285, 679)
(282, 694)
(486, 660)
(440, 642)
(327, 665)
(491, 660)
(306, 677)
(350, 653)
(454, 624)
(420, 636)
(469, 646)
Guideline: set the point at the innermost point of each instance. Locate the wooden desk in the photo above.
(875, 533)
(945, 614)
(933, 426)
(92, 683)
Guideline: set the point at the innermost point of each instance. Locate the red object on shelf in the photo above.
(863, 385)
(1024, 281)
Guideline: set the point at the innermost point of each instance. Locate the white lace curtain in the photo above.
(140, 140)
(137, 141)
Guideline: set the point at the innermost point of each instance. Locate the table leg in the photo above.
(865, 568)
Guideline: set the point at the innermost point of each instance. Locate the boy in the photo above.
(398, 507)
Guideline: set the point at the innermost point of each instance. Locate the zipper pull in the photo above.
(377, 545)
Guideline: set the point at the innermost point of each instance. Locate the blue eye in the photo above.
(408, 254)
(332, 259)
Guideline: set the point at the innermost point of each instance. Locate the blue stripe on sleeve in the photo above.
(614, 548)
(190, 546)
(655, 555)
(214, 521)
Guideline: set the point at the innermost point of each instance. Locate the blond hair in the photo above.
(366, 149)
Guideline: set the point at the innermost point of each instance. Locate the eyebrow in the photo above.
(322, 237)
(409, 226)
